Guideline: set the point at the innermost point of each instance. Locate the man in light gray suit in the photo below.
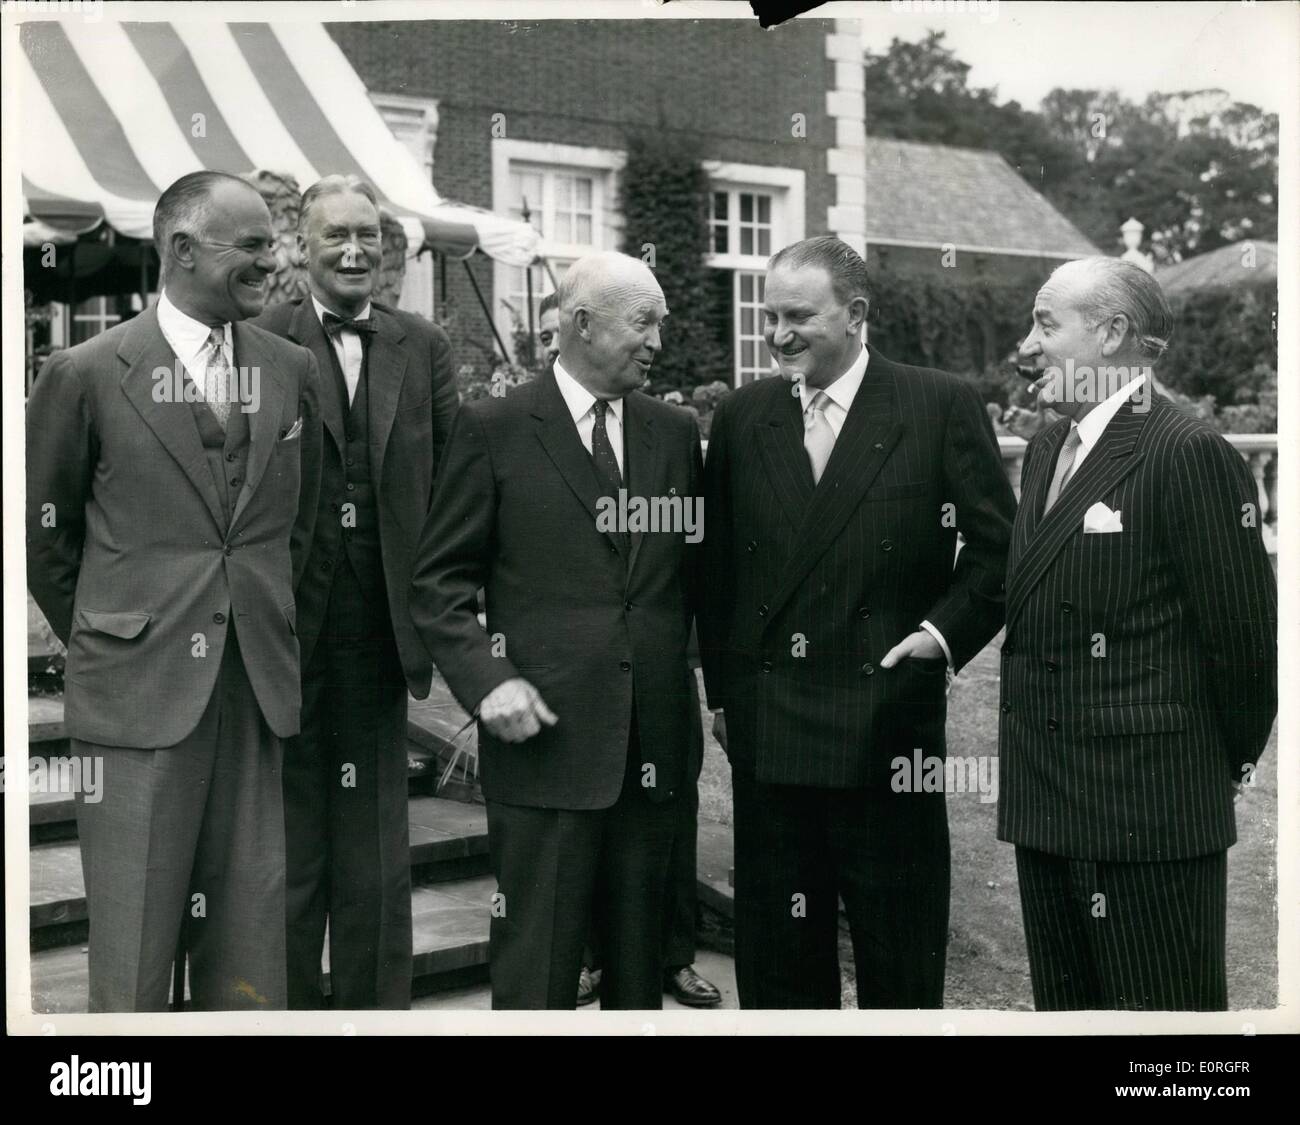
(172, 467)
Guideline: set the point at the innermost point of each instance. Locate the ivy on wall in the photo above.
(664, 198)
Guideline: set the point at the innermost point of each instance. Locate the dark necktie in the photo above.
(335, 324)
(602, 453)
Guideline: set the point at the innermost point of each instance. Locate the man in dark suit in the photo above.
(387, 395)
(831, 612)
(172, 471)
(1139, 670)
(580, 682)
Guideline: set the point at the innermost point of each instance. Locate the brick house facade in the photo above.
(502, 112)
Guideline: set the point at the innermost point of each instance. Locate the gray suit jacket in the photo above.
(129, 554)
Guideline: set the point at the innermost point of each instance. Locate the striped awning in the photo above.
(111, 113)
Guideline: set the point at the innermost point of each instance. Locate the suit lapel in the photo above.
(780, 444)
(870, 432)
(385, 373)
(264, 422)
(145, 350)
(559, 437)
(1033, 489)
(305, 328)
(1108, 463)
(645, 460)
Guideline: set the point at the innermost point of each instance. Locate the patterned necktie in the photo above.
(335, 324)
(602, 452)
(818, 437)
(1064, 467)
(216, 377)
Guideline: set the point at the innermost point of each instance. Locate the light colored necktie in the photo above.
(818, 437)
(216, 377)
(1064, 468)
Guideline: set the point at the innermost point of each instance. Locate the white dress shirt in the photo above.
(188, 338)
(1098, 418)
(580, 402)
(347, 345)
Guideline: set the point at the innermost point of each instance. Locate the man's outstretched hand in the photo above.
(515, 711)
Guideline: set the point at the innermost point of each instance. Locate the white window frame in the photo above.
(605, 165)
(418, 290)
(786, 186)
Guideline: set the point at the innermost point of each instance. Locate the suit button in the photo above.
(219, 618)
(1006, 707)
(625, 665)
(627, 606)
(612, 549)
(1050, 665)
(351, 487)
(347, 435)
(767, 665)
(1052, 724)
(230, 551)
(230, 456)
(1008, 649)
(1066, 607)
(868, 669)
(348, 462)
(864, 613)
(762, 610)
(879, 445)
(751, 546)
(234, 482)
(886, 544)
(326, 565)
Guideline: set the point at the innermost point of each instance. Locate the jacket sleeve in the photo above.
(716, 581)
(1212, 522)
(973, 608)
(451, 563)
(62, 449)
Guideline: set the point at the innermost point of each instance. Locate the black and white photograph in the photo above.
(708, 517)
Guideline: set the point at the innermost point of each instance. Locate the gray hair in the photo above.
(1119, 287)
(337, 184)
(594, 281)
(847, 270)
(185, 206)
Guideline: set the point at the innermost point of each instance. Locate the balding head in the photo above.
(1103, 288)
(611, 308)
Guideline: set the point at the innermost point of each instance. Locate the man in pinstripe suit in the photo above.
(1139, 671)
(832, 613)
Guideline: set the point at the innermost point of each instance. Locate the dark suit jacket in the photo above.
(1139, 671)
(806, 590)
(413, 398)
(592, 623)
(139, 558)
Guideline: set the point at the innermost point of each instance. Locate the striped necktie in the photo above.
(216, 377)
(1064, 467)
(818, 436)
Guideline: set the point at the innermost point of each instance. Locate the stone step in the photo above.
(431, 744)
(448, 842)
(450, 923)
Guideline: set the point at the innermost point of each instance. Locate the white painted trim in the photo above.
(964, 248)
(608, 221)
(794, 214)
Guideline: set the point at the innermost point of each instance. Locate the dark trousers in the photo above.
(801, 849)
(1125, 936)
(189, 836)
(345, 807)
(562, 871)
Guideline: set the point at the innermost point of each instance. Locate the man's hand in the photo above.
(920, 644)
(720, 729)
(514, 711)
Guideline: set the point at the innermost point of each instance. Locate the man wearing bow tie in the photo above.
(387, 398)
(580, 682)
(835, 604)
(1139, 669)
(172, 471)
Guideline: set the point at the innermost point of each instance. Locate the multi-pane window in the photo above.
(93, 316)
(753, 360)
(741, 222)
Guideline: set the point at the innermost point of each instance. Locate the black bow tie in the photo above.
(335, 324)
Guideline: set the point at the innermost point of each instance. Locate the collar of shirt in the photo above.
(842, 392)
(578, 399)
(1096, 420)
(188, 337)
(321, 310)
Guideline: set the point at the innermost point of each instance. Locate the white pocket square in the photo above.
(293, 431)
(1100, 520)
